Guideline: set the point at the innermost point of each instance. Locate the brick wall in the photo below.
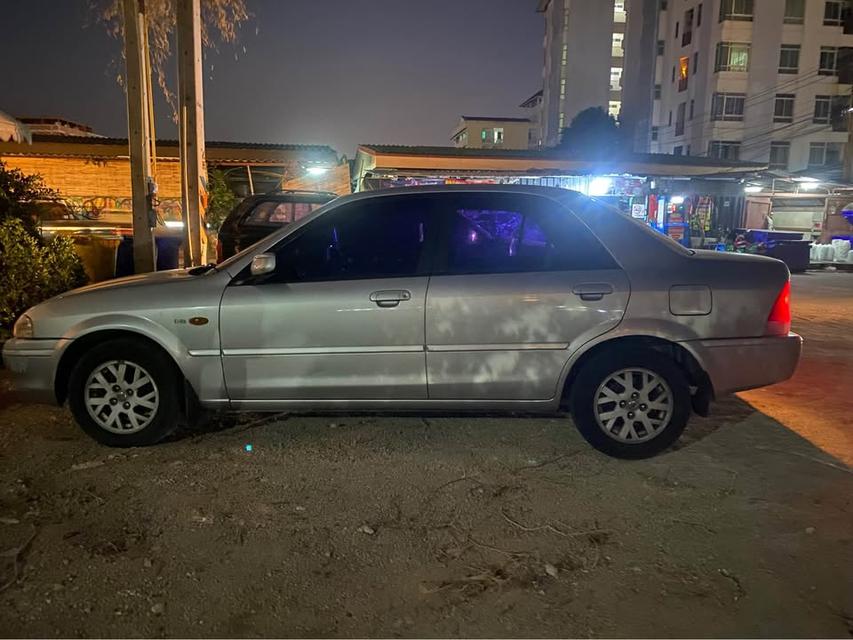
(102, 186)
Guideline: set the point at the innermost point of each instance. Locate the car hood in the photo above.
(130, 282)
(160, 298)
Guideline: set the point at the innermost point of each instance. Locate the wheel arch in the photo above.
(81, 344)
(686, 360)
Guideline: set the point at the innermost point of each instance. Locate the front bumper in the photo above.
(33, 365)
(747, 363)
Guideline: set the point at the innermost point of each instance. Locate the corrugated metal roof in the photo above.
(213, 144)
(558, 154)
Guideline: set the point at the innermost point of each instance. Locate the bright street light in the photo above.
(316, 171)
(600, 186)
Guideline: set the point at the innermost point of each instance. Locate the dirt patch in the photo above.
(393, 527)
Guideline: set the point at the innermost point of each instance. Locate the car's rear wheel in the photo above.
(630, 404)
(123, 393)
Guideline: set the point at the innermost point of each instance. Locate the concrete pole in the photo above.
(138, 131)
(191, 98)
(848, 149)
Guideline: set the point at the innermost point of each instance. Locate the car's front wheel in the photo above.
(630, 404)
(123, 393)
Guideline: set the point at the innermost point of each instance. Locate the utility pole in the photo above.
(139, 135)
(848, 148)
(191, 96)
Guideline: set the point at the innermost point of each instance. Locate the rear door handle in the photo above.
(592, 291)
(390, 297)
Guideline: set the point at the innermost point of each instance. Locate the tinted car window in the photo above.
(378, 238)
(496, 233)
(274, 213)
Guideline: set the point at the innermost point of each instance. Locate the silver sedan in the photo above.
(487, 298)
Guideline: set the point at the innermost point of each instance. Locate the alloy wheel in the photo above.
(121, 397)
(633, 405)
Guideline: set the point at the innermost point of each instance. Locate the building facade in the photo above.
(752, 80)
(482, 132)
(92, 174)
(584, 60)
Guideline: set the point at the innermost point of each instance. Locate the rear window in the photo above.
(274, 213)
(517, 233)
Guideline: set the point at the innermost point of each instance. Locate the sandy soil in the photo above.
(443, 526)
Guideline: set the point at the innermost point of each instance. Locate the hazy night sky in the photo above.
(336, 72)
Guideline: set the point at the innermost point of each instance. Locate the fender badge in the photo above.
(198, 320)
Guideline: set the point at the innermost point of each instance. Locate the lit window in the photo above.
(683, 72)
(565, 56)
(563, 89)
(614, 107)
(615, 78)
(619, 11)
(732, 56)
(616, 49)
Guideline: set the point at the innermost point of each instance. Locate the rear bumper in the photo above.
(747, 363)
(33, 365)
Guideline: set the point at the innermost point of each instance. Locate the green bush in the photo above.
(20, 194)
(33, 270)
(221, 200)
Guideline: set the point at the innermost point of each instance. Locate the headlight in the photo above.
(23, 327)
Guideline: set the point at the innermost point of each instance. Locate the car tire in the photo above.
(138, 410)
(630, 404)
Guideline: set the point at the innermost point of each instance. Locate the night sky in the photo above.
(336, 72)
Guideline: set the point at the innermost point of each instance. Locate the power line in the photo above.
(748, 102)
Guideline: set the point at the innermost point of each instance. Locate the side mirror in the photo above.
(263, 263)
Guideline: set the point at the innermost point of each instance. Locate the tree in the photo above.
(221, 199)
(19, 197)
(221, 20)
(592, 133)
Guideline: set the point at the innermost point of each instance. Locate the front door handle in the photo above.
(390, 297)
(592, 291)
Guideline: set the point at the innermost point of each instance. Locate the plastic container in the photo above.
(166, 253)
(98, 254)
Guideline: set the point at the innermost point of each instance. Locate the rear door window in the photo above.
(508, 233)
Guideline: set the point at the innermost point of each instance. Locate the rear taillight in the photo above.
(779, 320)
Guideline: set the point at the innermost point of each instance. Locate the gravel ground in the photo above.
(443, 526)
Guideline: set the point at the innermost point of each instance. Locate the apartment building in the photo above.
(483, 132)
(584, 60)
(753, 80)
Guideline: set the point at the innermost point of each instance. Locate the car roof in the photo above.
(287, 196)
(555, 193)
